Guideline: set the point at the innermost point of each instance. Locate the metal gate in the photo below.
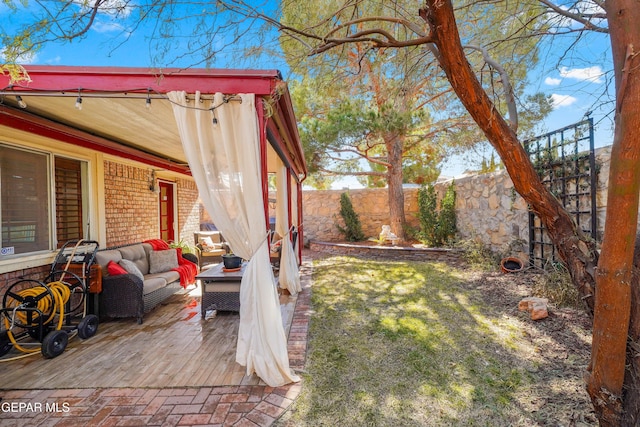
(565, 162)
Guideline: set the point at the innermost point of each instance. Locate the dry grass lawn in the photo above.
(430, 344)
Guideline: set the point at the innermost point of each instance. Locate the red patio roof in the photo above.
(119, 119)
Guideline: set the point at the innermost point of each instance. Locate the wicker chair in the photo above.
(210, 252)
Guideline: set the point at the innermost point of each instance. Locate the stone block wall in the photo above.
(488, 209)
(321, 211)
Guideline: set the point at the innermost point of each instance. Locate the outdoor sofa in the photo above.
(138, 277)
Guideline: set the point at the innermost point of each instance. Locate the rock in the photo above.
(536, 306)
(539, 311)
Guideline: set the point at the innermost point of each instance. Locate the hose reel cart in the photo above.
(41, 315)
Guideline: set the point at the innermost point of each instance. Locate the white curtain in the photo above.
(294, 217)
(289, 276)
(224, 158)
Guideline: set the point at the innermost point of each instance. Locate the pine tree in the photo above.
(352, 229)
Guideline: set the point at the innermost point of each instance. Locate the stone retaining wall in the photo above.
(487, 206)
(388, 252)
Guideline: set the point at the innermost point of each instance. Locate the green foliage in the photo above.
(447, 224)
(491, 165)
(352, 229)
(427, 213)
(351, 98)
(436, 228)
(186, 247)
(556, 285)
(478, 256)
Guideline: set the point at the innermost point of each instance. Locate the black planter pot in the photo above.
(231, 261)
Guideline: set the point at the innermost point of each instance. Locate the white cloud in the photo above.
(562, 100)
(581, 8)
(550, 81)
(591, 74)
(55, 60)
(24, 59)
(120, 8)
(106, 27)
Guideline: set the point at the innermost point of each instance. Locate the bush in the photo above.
(447, 224)
(427, 214)
(556, 285)
(479, 256)
(436, 228)
(352, 229)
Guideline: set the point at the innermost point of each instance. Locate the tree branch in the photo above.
(579, 17)
(506, 83)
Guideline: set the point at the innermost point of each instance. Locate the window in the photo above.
(33, 197)
(69, 212)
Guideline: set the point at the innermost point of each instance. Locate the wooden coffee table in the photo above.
(220, 289)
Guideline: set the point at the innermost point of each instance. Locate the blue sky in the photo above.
(574, 81)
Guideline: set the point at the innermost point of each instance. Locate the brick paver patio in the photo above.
(197, 406)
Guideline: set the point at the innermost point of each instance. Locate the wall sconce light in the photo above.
(153, 185)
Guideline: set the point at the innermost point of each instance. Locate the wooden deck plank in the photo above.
(174, 347)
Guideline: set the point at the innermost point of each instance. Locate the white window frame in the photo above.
(39, 257)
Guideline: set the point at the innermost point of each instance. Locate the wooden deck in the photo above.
(174, 347)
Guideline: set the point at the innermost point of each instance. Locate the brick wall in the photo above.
(189, 210)
(9, 279)
(131, 209)
(131, 213)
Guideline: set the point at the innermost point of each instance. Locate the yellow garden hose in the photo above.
(61, 293)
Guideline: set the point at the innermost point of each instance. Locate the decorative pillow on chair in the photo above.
(161, 261)
(208, 245)
(114, 269)
(131, 268)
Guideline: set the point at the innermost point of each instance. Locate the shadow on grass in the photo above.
(416, 344)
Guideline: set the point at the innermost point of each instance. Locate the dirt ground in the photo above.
(562, 341)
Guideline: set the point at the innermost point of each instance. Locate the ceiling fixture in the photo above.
(79, 101)
(21, 102)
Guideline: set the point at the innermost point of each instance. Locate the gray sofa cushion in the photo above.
(168, 276)
(131, 268)
(159, 280)
(161, 261)
(152, 283)
(138, 255)
(103, 258)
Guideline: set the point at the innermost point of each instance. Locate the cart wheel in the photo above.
(35, 332)
(15, 297)
(54, 344)
(5, 343)
(88, 326)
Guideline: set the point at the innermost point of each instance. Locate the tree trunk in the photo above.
(577, 251)
(614, 387)
(394, 146)
(631, 387)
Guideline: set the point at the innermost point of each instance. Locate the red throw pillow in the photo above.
(115, 269)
